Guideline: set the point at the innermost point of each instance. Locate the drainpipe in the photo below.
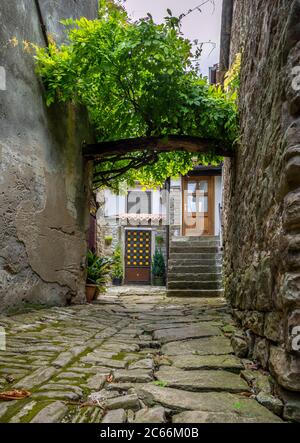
(227, 14)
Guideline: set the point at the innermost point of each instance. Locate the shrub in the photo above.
(117, 267)
(158, 266)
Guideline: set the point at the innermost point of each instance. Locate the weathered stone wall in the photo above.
(261, 189)
(43, 179)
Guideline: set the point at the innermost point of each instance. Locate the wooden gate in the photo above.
(138, 256)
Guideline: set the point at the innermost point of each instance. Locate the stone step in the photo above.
(203, 239)
(194, 285)
(196, 249)
(195, 293)
(195, 256)
(192, 263)
(176, 242)
(196, 268)
(195, 276)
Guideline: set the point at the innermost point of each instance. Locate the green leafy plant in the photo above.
(98, 270)
(158, 265)
(232, 77)
(117, 267)
(159, 239)
(138, 79)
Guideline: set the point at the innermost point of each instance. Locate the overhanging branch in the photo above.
(105, 177)
(155, 144)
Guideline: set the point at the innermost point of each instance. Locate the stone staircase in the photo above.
(195, 267)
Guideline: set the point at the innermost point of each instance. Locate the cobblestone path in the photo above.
(127, 359)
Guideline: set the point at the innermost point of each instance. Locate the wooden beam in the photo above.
(155, 144)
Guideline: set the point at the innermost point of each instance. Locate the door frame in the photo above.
(211, 202)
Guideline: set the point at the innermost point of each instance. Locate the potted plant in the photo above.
(117, 273)
(158, 269)
(108, 240)
(98, 269)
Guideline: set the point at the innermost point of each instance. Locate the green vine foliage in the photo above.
(137, 79)
(232, 77)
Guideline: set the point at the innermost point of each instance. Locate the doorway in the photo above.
(198, 206)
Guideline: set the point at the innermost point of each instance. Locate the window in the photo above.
(139, 202)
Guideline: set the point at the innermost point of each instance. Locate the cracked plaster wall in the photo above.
(44, 182)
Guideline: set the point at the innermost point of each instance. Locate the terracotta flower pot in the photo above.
(90, 292)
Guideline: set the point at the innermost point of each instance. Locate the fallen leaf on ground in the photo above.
(14, 395)
(110, 378)
(246, 394)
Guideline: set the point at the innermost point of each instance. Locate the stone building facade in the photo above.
(43, 179)
(166, 213)
(261, 190)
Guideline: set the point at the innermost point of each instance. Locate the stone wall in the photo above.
(43, 179)
(261, 191)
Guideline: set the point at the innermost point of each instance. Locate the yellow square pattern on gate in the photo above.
(138, 245)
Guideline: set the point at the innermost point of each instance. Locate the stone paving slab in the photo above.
(204, 346)
(194, 331)
(213, 402)
(201, 380)
(191, 362)
(115, 360)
